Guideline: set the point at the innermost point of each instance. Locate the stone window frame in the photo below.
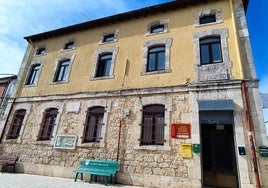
(152, 100)
(163, 22)
(110, 32)
(98, 53)
(27, 107)
(58, 61)
(224, 65)
(39, 119)
(33, 63)
(38, 48)
(89, 104)
(66, 42)
(156, 42)
(216, 12)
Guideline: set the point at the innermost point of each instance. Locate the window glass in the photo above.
(33, 75)
(207, 19)
(156, 58)
(69, 45)
(40, 51)
(93, 125)
(104, 65)
(210, 50)
(108, 38)
(63, 71)
(153, 123)
(15, 127)
(157, 29)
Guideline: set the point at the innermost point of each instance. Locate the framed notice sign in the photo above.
(181, 130)
(65, 142)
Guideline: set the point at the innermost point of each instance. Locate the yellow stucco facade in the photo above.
(130, 39)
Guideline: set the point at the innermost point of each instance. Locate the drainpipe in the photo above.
(250, 134)
(119, 139)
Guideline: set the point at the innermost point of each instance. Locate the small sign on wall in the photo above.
(181, 130)
(65, 142)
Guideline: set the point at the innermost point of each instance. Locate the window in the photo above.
(108, 38)
(210, 50)
(16, 124)
(104, 65)
(157, 28)
(93, 125)
(153, 123)
(41, 51)
(47, 125)
(63, 71)
(207, 19)
(33, 75)
(69, 45)
(210, 16)
(156, 58)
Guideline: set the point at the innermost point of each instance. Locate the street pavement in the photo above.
(18, 180)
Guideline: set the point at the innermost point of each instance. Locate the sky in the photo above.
(20, 18)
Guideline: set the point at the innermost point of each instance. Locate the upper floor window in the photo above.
(93, 125)
(47, 125)
(17, 122)
(153, 125)
(104, 65)
(156, 58)
(157, 28)
(109, 38)
(62, 71)
(207, 19)
(41, 51)
(68, 45)
(33, 75)
(210, 50)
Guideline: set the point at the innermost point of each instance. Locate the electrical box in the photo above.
(196, 148)
(241, 150)
(263, 150)
(186, 150)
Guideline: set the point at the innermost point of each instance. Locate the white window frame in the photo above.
(33, 63)
(163, 22)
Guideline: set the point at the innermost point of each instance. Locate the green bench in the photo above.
(106, 168)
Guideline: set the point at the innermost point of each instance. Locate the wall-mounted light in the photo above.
(127, 111)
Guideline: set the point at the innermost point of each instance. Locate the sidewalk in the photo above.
(17, 180)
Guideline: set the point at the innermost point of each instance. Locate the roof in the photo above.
(135, 14)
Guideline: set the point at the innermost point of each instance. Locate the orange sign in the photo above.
(181, 130)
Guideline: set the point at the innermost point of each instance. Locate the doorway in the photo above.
(218, 155)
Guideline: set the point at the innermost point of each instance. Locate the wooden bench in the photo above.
(106, 168)
(8, 161)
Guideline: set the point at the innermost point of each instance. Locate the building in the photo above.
(169, 90)
(7, 89)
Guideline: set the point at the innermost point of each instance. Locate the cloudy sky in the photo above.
(20, 18)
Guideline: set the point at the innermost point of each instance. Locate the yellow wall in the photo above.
(131, 37)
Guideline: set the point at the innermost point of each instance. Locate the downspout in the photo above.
(250, 134)
(119, 139)
(5, 125)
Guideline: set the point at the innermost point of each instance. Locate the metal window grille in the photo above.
(47, 125)
(153, 125)
(93, 125)
(16, 124)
